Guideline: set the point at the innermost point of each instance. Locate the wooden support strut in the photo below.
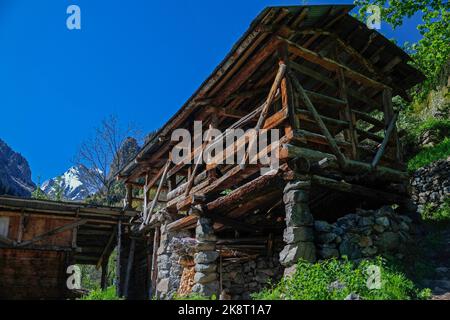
(385, 142)
(129, 267)
(333, 145)
(147, 215)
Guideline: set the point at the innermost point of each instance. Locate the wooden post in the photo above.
(154, 277)
(388, 115)
(118, 261)
(129, 268)
(104, 278)
(148, 215)
(350, 132)
(129, 196)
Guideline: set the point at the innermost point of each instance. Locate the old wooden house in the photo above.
(326, 82)
(39, 240)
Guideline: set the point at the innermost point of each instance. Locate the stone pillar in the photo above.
(299, 232)
(206, 278)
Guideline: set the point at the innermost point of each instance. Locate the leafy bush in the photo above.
(440, 126)
(430, 155)
(336, 279)
(442, 214)
(98, 294)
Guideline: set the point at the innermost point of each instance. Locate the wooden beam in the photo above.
(385, 142)
(129, 268)
(332, 65)
(107, 249)
(359, 190)
(147, 215)
(334, 147)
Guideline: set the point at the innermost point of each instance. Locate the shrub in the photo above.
(430, 155)
(441, 214)
(98, 294)
(336, 279)
(194, 296)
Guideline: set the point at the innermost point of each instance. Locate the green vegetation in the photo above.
(336, 279)
(429, 155)
(98, 294)
(432, 52)
(441, 214)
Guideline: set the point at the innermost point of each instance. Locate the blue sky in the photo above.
(138, 59)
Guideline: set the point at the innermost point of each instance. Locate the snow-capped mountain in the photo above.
(75, 184)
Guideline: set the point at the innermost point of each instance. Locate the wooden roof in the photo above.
(251, 64)
(94, 236)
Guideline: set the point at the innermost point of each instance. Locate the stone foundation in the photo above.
(241, 279)
(298, 235)
(365, 234)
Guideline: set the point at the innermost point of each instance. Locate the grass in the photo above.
(98, 294)
(313, 282)
(442, 214)
(430, 155)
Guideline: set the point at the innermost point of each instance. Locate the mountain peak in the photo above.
(15, 173)
(76, 184)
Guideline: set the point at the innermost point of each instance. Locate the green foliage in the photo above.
(38, 193)
(441, 214)
(432, 52)
(58, 189)
(313, 282)
(430, 155)
(98, 294)
(439, 126)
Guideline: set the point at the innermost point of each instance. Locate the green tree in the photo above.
(432, 52)
(38, 193)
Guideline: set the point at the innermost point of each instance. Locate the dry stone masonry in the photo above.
(298, 235)
(431, 185)
(206, 278)
(365, 234)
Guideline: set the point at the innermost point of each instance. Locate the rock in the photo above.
(353, 296)
(290, 271)
(205, 246)
(305, 185)
(365, 221)
(378, 228)
(204, 230)
(206, 257)
(296, 196)
(336, 286)
(365, 242)
(206, 290)
(298, 234)
(207, 268)
(204, 278)
(388, 241)
(322, 226)
(163, 286)
(383, 221)
(302, 250)
(442, 270)
(350, 249)
(326, 237)
(328, 253)
(298, 215)
(370, 251)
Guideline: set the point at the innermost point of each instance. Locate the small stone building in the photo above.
(325, 83)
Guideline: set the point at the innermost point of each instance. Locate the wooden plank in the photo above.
(147, 215)
(53, 232)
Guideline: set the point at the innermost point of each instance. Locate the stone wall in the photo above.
(431, 185)
(365, 234)
(169, 268)
(240, 279)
